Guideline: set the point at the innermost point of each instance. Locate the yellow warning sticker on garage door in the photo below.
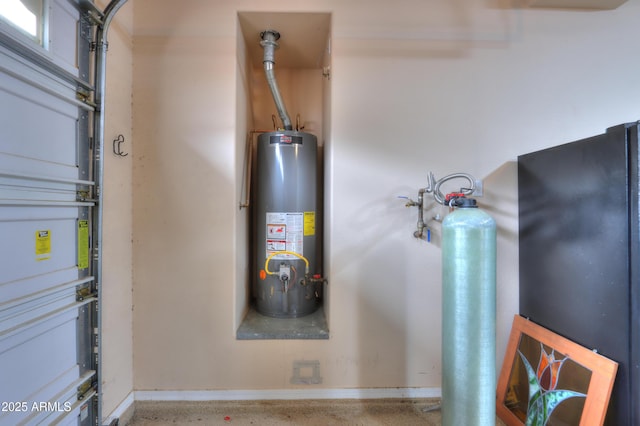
(83, 244)
(43, 245)
(309, 223)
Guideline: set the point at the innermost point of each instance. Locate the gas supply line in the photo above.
(283, 273)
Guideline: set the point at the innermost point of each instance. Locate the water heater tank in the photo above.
(286, 225)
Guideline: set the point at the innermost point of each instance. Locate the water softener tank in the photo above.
(468, 316)
(286, 225)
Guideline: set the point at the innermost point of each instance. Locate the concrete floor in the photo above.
(392, 412)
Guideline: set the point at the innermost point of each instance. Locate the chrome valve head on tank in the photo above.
(434, 187)
(458, 199)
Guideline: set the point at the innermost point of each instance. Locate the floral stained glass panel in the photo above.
(546, 387)
(548, 380)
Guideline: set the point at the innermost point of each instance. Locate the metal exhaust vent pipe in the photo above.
(269, 42)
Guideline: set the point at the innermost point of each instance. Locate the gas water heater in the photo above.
(286, 273)
(286, 225)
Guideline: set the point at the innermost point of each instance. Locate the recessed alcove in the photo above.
(302, 70)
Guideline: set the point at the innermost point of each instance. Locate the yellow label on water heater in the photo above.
(309, 224)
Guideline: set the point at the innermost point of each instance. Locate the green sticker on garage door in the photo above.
(43, 245)
(83, 244)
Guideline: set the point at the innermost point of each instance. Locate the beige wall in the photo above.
(117, 317)
(416, 86)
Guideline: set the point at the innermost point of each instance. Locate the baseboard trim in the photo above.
(287, 394)
(125, 410)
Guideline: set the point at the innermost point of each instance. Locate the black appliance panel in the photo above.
(577, 240)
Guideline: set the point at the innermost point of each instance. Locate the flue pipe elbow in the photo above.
(270, 44)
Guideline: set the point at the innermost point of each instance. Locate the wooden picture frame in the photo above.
(547, 379)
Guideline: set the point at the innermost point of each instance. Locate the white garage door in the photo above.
(48, 290)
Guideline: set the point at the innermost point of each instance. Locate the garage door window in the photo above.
(26, 15)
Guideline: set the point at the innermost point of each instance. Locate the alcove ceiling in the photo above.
(303, 37)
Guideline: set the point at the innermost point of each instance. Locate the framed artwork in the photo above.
(548, 380)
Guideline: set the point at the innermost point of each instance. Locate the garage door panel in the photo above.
(23, 70)
(52, 140)
(38, 376)
(30, 169)
(63, 20)
(48, 292)
(37, 247)
(18, 213)
(34, 307)
(27, 366)
(26, 289)
(30, 188)
(40, 93)
(66, 411)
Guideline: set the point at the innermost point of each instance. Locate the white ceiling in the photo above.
(577, 4)
(303, 37)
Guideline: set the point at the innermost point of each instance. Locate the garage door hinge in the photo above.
(84, 96)
(86, 388)
(83, 195)
(85, 293)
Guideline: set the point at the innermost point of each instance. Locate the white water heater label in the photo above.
(285, 232)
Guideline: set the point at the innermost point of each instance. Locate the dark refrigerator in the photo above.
(579, 247)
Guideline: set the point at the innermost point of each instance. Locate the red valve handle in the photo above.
(452, 195)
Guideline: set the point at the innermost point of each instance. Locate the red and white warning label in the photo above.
(285, 232)
(276, 230)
